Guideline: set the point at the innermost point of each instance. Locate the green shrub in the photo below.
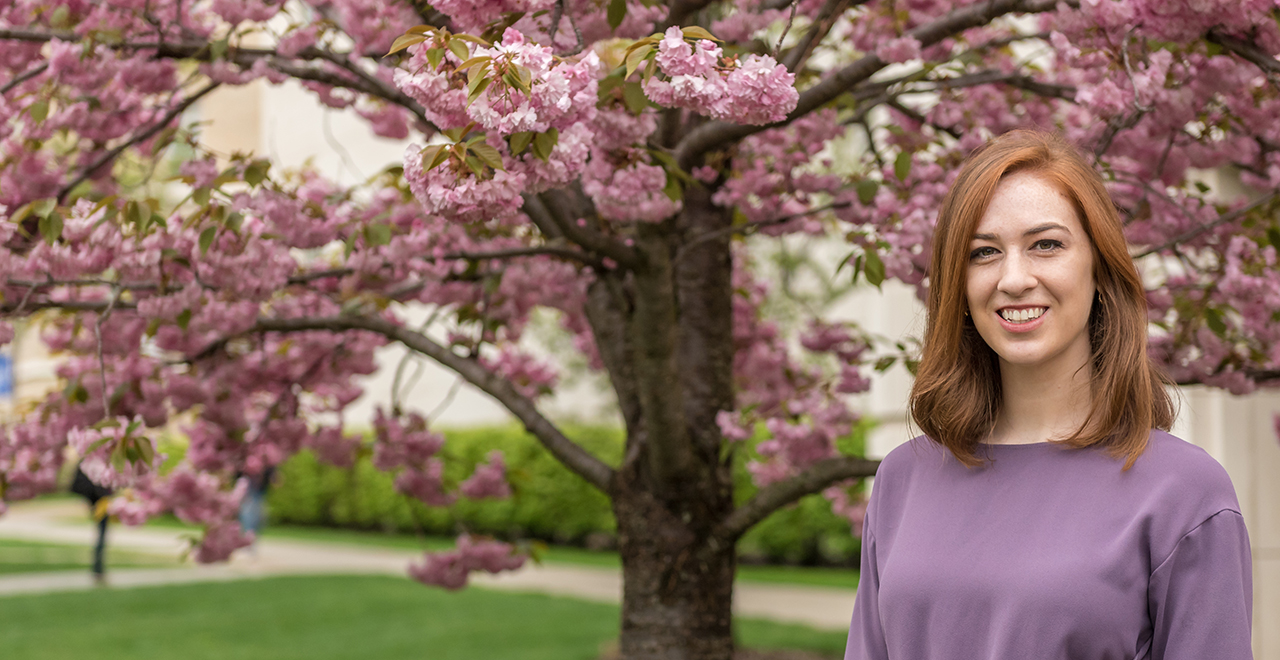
(548, 502)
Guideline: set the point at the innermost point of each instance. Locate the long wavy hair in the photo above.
(957, 392)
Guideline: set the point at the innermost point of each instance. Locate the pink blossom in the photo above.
(219, 541)
(488, 480)
(450, 569)
(901, 49)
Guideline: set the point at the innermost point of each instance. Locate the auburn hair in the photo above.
(957, 392)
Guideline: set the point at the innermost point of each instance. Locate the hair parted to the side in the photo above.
(957, 393)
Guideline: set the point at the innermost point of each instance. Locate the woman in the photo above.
(1046, 513)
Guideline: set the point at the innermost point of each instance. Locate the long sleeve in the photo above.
(866, 634)
(1201, 596)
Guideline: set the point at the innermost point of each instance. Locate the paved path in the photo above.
(65, 521)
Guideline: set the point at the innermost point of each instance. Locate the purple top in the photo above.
(1053, 553)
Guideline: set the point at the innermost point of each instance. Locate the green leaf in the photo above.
(459, 49)
(39, 111)
(1213, 318)
(635, 57)
(525, 79)
(488, 155)
(422, 29)
(218, 49)
(474, 61)
(256, 172)
(51, 227)
(429, 154)
(885, 362)
(201, 196)
(477, 87)
(867, 189)
(44, 207)
(1200, 185)
(902, 166)
(673, 189)
(206, 239)
(184, 319)
(234, 221)
(633, 96)
(520, 141)
(375, 235)
(474, 164)
(617, 12)
(434, 55)
(1273, 235)
(695, 32)
(1213, 49)
(544, 143)
(59, 18)
(404, 41)
(473, 39)
(609, 83)
(874, 269)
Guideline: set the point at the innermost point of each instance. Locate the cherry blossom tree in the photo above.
(610, 161)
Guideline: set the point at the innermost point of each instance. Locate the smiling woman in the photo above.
(1046, 512)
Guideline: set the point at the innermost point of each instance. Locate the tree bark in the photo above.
(677, 595)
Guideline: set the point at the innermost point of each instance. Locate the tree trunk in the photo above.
(677, 593)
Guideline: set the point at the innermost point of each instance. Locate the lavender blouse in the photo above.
(1052, 553)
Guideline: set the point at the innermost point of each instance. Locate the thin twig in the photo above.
(24, 77)
(102, 362)
(1221, 220)
(782, 37)
(119, 149)
(750, 227)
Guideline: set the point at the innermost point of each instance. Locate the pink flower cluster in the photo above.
(488, 480)
(405, 443)
(450, 569)
(98, 448)
(628, 193)
(753, 90)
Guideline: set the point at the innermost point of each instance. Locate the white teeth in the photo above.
(1022, 315)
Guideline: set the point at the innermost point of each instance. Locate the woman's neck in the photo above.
(1044, 402)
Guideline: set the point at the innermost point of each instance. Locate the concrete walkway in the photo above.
(66, 521)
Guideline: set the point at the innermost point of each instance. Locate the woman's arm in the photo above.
(1201, 596)
(866, 635)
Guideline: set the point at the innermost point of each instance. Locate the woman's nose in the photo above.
(1016, 277)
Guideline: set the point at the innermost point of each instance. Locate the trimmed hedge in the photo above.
(548, 502)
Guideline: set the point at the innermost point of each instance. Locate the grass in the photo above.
(328, 618)
(845, 578)
(30, 556)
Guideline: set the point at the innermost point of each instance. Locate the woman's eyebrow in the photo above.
(1038, 229)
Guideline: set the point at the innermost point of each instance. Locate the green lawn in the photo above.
(29, 556)
(321, 618)
(806, 575)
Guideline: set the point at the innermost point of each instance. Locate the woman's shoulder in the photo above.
(1185, 468)
(911, 456)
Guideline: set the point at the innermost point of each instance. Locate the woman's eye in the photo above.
(981, 252)
(1048, 244)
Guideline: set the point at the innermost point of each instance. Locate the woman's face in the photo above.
(1031, 287)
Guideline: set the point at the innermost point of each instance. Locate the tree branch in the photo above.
(593, 241)
(245, 57)
(750, 227)
(716, 134)
(1269, 65)
(111, 155)
(572, 455)
(1221, 220)
(24, 77)
(777, 495)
